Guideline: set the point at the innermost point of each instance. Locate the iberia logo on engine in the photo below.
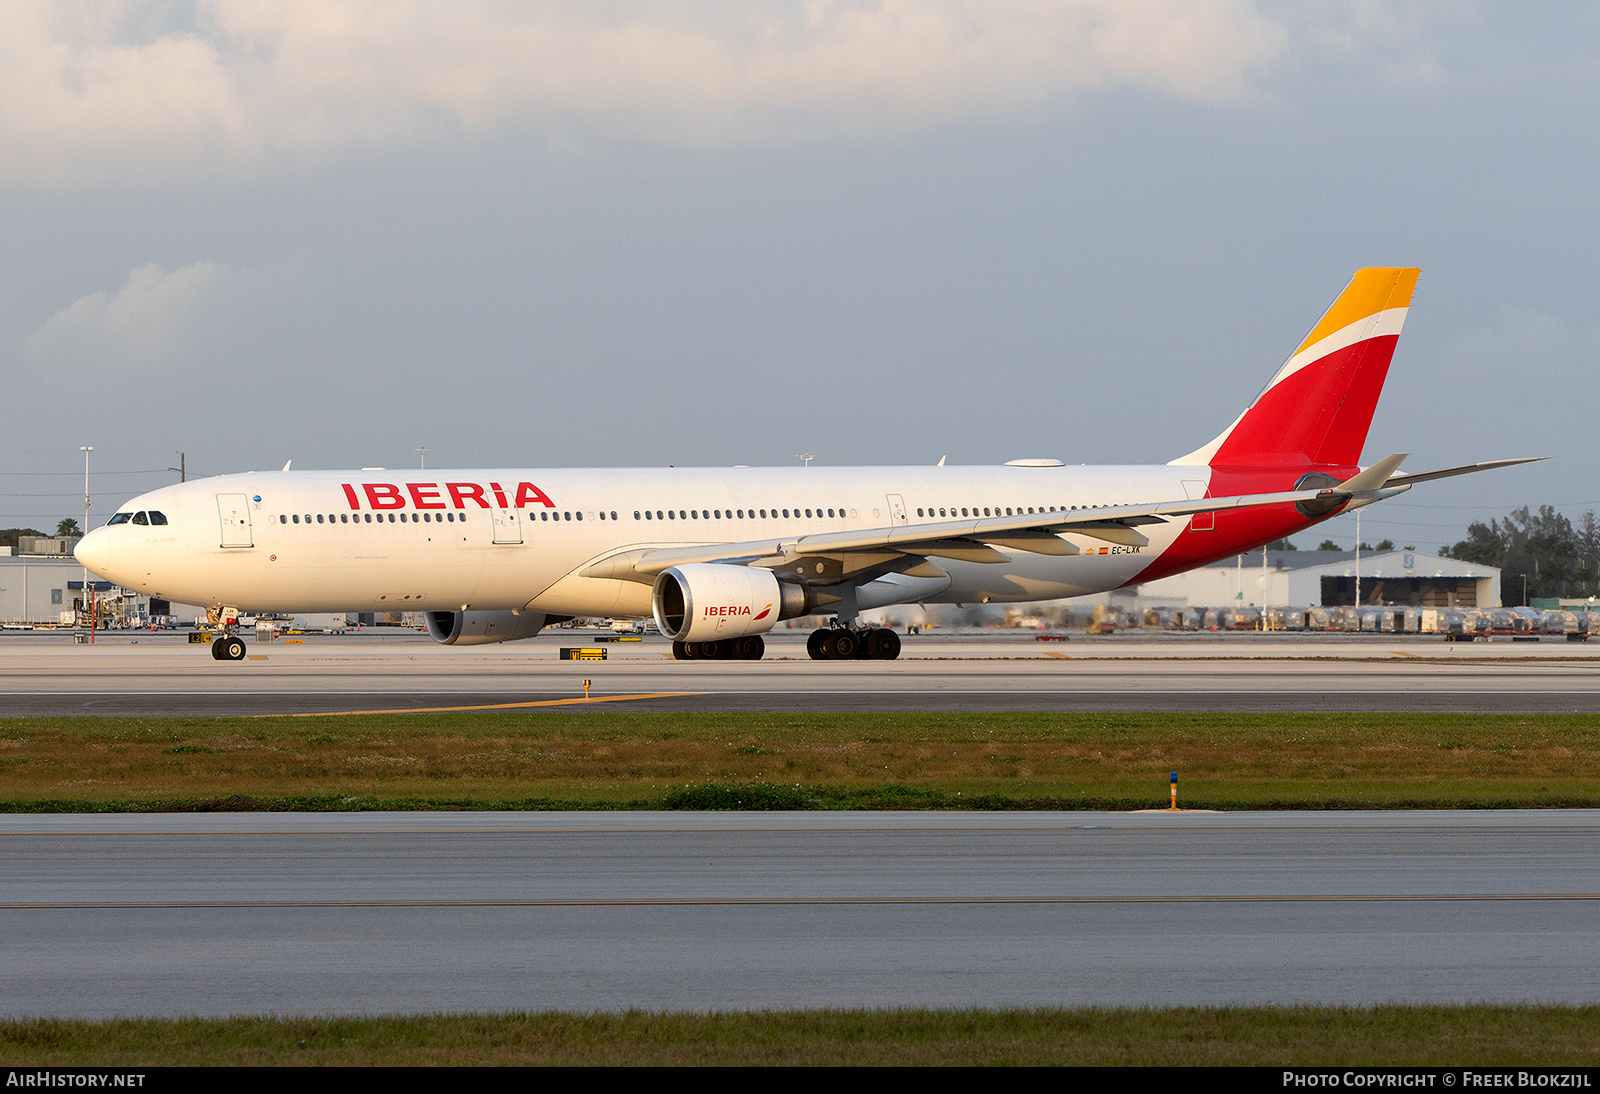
(730, 609)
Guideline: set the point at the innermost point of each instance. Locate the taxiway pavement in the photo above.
(161, 675)
(351, 913)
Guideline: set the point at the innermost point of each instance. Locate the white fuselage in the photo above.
(518, 539)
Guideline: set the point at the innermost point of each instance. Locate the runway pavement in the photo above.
(341, 913)
(161, 675)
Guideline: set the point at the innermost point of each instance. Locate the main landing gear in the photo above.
(749, 648)
(843, 644)
(228, 648)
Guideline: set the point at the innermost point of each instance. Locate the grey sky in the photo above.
(721, 233)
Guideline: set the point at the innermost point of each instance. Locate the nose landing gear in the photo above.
(227, 647)
(842, 644)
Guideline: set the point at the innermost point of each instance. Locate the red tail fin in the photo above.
(1318, 407)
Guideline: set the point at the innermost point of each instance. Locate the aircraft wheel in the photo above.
(882, 644)
(216, 649)
(749, 648)
(815, 642)
(846, 645)
(680, 651)
(232, 649)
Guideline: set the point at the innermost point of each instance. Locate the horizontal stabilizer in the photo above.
(1464, 469)
(1375, 477)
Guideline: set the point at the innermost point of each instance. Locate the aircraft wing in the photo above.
(971, 539)
(974, 539)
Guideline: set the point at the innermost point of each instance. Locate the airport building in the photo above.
(1328, 579)
(42, 583)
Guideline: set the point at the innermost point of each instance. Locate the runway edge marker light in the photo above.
(1174, 790)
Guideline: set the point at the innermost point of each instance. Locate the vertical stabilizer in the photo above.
(1318, 407)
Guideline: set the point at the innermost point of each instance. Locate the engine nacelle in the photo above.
(708, 601)
(480, 628)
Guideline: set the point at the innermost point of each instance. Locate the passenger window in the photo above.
(344, 518)
(319, 518)
(297, 518)
(140, 518)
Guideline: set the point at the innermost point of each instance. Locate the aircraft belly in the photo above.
(599, 596)
(1041, 577)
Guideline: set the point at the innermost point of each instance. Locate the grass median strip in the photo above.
(1390, 1036)
(609, 759)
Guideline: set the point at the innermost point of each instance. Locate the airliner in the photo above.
(719, 556)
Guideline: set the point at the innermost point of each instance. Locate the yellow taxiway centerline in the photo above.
(488, 706)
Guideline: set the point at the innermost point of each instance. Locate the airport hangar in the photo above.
(1326, 579)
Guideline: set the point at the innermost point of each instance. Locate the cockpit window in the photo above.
(120, 518)
(157, 517)
(140, 518)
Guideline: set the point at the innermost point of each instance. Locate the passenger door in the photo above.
(507, 526)
(233, 510)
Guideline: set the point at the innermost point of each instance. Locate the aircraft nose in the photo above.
(94, 551)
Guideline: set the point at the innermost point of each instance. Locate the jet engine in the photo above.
(481, 628)
(709, 601)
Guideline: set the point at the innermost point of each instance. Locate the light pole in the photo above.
(86, 449)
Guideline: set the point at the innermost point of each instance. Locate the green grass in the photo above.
(1473, 1035)
(613, 759)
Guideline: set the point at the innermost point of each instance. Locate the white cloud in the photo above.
(157, 323)
(116, 89)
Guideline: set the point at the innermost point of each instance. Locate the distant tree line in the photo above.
(68, 526)
(9, 536)
(1558, 558)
